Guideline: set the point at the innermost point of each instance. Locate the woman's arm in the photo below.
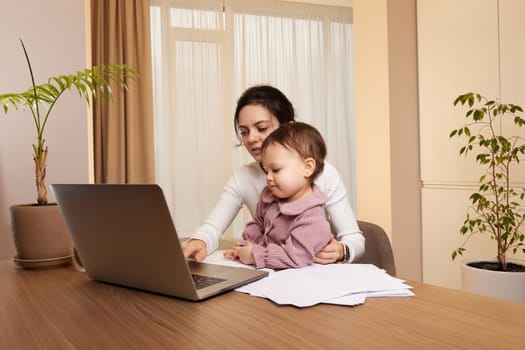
(218, 221)
(243, 188)
(342, 219)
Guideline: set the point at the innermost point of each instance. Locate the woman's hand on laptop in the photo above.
(194, 248)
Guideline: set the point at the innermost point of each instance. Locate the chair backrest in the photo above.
(378, 250)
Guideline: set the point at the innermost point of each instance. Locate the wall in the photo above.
(467, 45)
(404, 138)
(54, 35)
(387, 135)
(372, 113)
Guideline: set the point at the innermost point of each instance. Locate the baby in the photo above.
(290, 225)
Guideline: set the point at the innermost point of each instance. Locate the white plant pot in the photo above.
(497, 284)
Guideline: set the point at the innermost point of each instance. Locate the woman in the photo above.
(260, 110)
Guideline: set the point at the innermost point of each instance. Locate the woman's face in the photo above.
(255, 124)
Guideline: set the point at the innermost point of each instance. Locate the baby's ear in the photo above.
(309, 167)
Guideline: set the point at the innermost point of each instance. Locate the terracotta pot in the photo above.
(498, 284)
(40, 235)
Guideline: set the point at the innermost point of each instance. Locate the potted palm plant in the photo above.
(496, 209)
(40, 235)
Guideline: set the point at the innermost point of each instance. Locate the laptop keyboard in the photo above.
(201, 281)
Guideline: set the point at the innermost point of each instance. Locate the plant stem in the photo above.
(40, 156)
(40, 159)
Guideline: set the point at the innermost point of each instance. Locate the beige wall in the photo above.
(54, 35)
(404, 138)
(372, 113)
(467, 45)
(387, 135)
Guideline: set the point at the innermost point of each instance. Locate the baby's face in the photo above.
(287, 175)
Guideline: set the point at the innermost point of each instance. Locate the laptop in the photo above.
(124, 235)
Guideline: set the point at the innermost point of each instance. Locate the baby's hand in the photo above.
(244, 253)
(230, 254)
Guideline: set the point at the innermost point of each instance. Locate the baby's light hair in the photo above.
(302, 138)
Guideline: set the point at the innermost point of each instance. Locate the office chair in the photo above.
(378, 250)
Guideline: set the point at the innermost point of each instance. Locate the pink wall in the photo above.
(54, 34)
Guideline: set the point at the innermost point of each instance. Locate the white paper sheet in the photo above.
(341, 284)
(359, 298)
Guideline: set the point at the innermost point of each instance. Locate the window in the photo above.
(206, 53)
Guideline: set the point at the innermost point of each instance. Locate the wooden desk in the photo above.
(62, 309)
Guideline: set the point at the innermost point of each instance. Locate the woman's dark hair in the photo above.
(302, 138)
(270, 98)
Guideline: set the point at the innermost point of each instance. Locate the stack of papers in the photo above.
(341, 284)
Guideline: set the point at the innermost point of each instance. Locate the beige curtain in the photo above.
(216, 49)
(123, 127)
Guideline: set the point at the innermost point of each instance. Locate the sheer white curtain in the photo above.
(206, 53)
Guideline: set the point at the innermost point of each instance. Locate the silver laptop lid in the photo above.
(124, 234)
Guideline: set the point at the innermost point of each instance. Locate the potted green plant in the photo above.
(496, 209)
(40, 236)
